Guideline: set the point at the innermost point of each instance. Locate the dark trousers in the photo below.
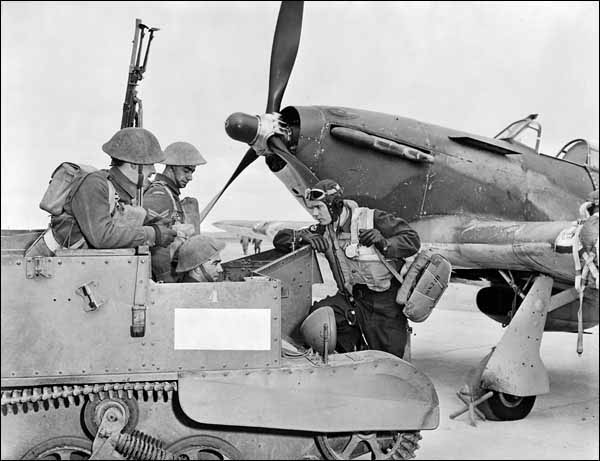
(381, 319)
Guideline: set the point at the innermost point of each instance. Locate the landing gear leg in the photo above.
(515, 372)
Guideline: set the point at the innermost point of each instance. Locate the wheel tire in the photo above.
(507, 407)
(207, 446)
(78, 447)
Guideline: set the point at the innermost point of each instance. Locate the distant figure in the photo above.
(245, 241)
(256, 243)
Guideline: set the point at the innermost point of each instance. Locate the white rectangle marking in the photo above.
(222, 329)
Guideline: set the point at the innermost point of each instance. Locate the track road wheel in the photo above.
(61, 448)
(204, 447)
(380, 445)
(506, 407)
(93, 412)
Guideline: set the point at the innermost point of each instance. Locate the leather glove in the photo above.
(368, 237)
(316, 241)
(164, 235)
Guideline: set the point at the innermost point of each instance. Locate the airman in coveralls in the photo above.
(365, 308)
(162, 200)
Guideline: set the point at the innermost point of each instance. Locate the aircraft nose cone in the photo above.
(242, 127)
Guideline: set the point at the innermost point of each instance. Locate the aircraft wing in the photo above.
(472, 243)
(469, 243)
(264, 230)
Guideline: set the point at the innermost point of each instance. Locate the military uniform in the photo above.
(365, 304)
(90, 213)
(99, 209)
(162, 201)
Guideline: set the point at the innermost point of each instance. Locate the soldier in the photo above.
(162, 201)
(200, 259)
(101, 210)
(245, 240)
(366, 312)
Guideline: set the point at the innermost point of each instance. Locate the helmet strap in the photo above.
(140, 184)
(205, 274)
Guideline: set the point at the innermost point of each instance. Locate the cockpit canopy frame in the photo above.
(580, 151)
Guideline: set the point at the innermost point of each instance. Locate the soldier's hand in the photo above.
(158, 220)
(316, 241)
(164, 235)
(368, 237)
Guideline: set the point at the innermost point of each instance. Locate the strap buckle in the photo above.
(350, 316)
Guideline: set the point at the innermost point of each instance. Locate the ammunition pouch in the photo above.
(425, 282)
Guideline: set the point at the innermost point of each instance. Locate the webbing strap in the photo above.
(362, 218)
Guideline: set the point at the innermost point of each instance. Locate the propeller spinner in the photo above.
(267, 134)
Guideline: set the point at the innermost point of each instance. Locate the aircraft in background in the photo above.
(496, 207)
(262, 230)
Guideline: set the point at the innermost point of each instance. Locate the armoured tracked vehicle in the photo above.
(100, 361)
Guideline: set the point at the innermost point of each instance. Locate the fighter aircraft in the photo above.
(497, 208)
(263, 230)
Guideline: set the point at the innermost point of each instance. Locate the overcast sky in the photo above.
(470, 66)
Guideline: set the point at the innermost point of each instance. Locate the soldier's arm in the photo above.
(158, 203)
(403, 240)
(90, 207)
(286, 239)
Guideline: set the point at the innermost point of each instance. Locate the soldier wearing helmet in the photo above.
(101, 211)
(354, 240)
(162, 200)
(200, 259)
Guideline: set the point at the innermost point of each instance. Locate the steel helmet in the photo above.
(182, 154)
(197, 250)
(313, 329)
(134, 145)
(329, 192)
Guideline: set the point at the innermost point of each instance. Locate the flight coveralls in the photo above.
(93, 211)
(365, 305)
(162, 201)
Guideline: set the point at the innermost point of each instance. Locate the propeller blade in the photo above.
(247, 160)
(284, 51)
(302, 173)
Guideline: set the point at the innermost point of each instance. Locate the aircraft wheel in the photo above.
(380, 445)
(204, 447)
(60, 448)
(507, 407)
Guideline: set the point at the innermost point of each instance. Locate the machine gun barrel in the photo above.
(132, 106)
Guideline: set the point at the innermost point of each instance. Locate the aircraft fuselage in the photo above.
(463, 179)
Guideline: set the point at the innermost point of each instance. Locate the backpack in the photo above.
(66, 176)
